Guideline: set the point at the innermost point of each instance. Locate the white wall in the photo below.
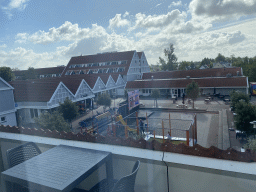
(10, 119)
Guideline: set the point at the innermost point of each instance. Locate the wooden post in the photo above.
(126, 132)
(170, 125)
(114, 129)
(163, 129)
(196, 127)
(147, 120)
(137, 123)
(193, 133)
(108, 131)
(187, 135)
(154, 132)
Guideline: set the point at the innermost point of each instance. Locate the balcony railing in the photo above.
(185, 172)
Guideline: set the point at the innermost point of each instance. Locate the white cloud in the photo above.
(223, 9)
(126, 14)
(23, 58)
(66, 32)
(21, 37)
(18, 4)
(117, 21)
(158, 4)
(3, 46)
(156, 21)
(15, 4)
(175, 4)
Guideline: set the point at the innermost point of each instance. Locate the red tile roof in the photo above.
(33, 91)
(41, 90)
(218, 72)
(182, 83)
(112, 56)
(43, 71)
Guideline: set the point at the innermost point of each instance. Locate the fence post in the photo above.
(147, 120)
(126, 132)
(108, 130)
(163, 129)
(114, 129)
(187, 135)
(170, 125)
(196, 127)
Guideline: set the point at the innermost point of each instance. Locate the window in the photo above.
(143, 90)
(33, 113)
(3, 119)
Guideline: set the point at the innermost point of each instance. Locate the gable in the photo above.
(60, 94)
(120, 81)
(99, 85)
(4, 84)
(84, 90)
(135, 60)
(110, 83)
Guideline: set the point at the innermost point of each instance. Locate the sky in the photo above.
(48, 33)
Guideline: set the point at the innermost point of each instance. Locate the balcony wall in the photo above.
(186, 172)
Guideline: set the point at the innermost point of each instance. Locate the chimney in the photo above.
(152, 77)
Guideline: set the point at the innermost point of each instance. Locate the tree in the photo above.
(220, 58)
(104, 99)
(54, 121)
(29, 74)
(192, 91)
(6, 73)
(183, 65)
(155, 94)
(245, 113)
(68, 109)
(251, 144)
(171, 63)
(236, 96)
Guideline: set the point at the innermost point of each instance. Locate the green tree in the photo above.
(29, 74)
(155, 94)
(171, 63)
(183, 65)
(104, 99)
(6, 73)
(251, 144)
(68, 109)
(245, 113)
(220, 58)
(192, 91)
(236, 96)
(54, 121)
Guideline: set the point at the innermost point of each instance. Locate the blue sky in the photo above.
(48, 33)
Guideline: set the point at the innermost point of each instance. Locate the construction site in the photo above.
(146, 123)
